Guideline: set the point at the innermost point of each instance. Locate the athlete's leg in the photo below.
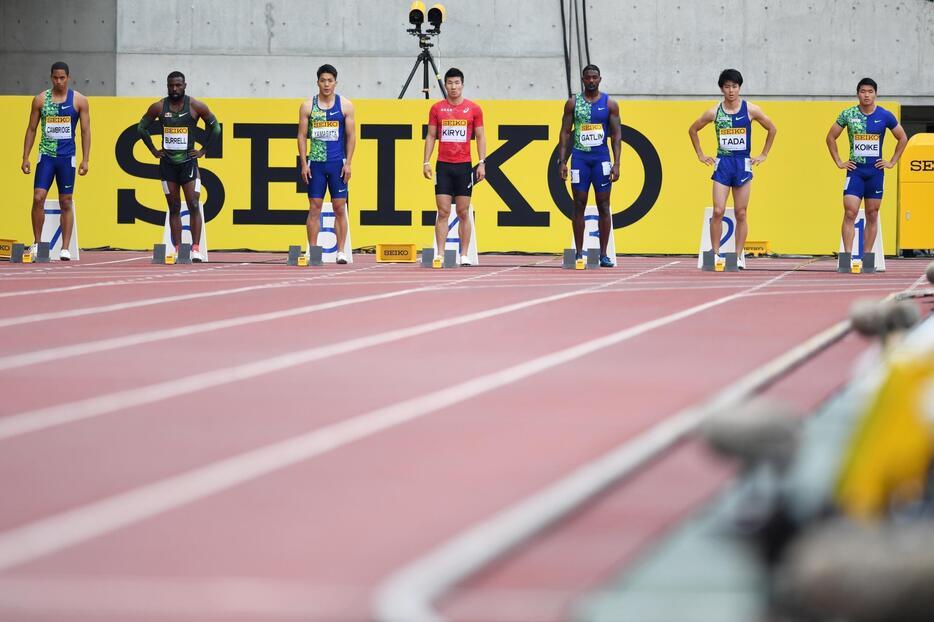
(848, 230)
(577, 220)
(174, 203)
(720, 193)
(872, 223)
(67, 205)
(313, 223)
(464, 231)
(605, 220)
(340, 222)
(195, 220)
(443, 202)
(740, 203)
(38, 212)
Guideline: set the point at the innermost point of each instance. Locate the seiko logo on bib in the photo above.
(58, 128)
(591, 134)
(454, 131)
(328, 131)
(867, 145)
(175, 138)
(733, 138)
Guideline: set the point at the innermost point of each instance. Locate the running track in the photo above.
(243, 440)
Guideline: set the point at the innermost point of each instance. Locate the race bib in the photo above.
(328, 131)
(867, 145)
(733, 139)
(591, 134)
(58, 128)
(175, 138)
(454, 131)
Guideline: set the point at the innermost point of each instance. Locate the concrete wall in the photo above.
(508, 48)
(36, 33)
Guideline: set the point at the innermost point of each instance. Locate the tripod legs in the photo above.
(424, 59)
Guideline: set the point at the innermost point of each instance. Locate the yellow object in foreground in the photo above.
(395, 253)
(170, 258)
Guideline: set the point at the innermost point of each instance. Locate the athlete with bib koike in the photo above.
(327, 121)
(865, 169)
(590, 118)
(55, 113)
(178, 159)
(732, 120)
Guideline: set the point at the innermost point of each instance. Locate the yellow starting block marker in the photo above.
(169, 258)
(302, 260)
(437, 263)
(856, 266)
(719, 264)
(27, 257)
(580, 264)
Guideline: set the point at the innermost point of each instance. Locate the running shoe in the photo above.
(741, 261)
(34, 250)
(465, 260)
(341, 258)
(196, 256)
(606, 262)
(65, 255)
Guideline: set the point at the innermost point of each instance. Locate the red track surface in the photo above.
(312, 538)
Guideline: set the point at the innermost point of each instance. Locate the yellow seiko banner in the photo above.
(252, 198)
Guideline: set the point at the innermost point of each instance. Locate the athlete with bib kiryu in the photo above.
(327, 120)
(590, 117)
(732, 121)
(178, 159)
(454, 122)
(56, 112)
(865, 169)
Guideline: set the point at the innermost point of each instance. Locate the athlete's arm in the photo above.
(697, 126)
(756, 113)
(30, 139)
(211, 126)
(430, 138)
(899, 132)
(350, 137)
(616, 137)
(84, 116)
(481, 152)
(303, 111)
(832, 135)
(143, 128)
(564, 137)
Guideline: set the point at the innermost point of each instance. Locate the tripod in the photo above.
(424, 58)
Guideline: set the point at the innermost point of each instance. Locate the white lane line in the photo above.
(48, 355)
(409, 594)
(40, 419)
(72, 527)
(122, 306)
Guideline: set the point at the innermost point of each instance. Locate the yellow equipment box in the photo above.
(916, 194)
(756, 248)
(396, 253)
(6, 248)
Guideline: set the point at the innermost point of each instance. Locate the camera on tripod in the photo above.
(417, 17)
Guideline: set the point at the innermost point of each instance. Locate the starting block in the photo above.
(593, 258)
(428, 255)
(42, 253)
(295, 252)
(158, 253)
(184, 253)
(729, 259)
(17, 251)
(450, 258)
(316, 255)
(570, 254)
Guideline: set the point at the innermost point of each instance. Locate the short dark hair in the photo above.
(327, 69)
(175, 74)
(60, 65)
(453, 72)
(730, 75)
(867, 82)
(590, 68)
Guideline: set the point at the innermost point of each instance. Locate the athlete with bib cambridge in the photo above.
(327, 120)
(178, 159)
(454, 122)
(865, 169)
(55, 113)
(732, 121)
(589, 118)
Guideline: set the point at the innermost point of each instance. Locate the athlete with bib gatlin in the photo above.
(590, 117)
(454, 122)
(178, 159)
(55, 112)
(327, 120)
(732, 120)
(865, 169)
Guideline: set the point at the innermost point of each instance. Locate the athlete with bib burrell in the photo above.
(453, 122)
(327, 119)
(55, 112)
(732, 121)
(865, 168)
(589, 117)
(178, 158)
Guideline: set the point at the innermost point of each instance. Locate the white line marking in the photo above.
(43, 418)
(408, 595)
